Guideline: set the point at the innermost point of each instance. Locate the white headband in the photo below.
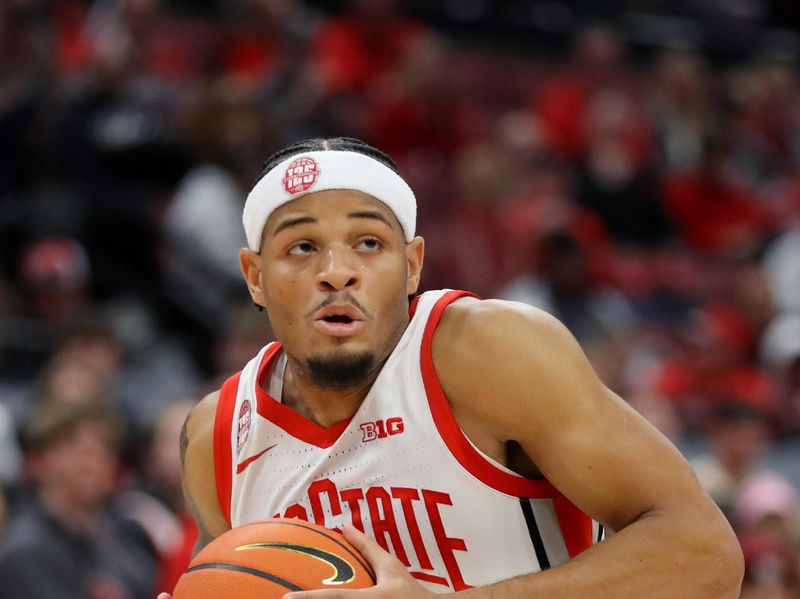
(310, 172)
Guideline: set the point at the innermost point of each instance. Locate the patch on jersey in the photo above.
(300, 175)
(243, 428)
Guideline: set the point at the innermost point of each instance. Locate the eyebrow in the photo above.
(293, 222)
(305, 220)
(373, 214)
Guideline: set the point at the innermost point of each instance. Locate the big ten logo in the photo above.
(300, 175)
(380, 429)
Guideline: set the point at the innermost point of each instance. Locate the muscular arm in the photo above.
(197, 462)
(540, 391)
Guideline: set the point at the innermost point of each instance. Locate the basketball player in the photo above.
(408, 426)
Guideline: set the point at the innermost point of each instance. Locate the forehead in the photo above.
(331, 204)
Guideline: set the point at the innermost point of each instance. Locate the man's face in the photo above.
(334, 274)
(80, 467)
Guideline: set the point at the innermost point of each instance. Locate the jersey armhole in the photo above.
(472, 460)
(223, 453)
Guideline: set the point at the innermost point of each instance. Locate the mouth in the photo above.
(338, 321)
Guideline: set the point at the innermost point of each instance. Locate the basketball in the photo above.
(266, 560)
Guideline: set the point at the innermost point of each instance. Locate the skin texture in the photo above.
(670, 540)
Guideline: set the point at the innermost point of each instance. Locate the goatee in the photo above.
(340, 371)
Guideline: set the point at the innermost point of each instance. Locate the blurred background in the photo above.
(631, 167)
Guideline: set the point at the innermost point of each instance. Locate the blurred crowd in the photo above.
(648, 199)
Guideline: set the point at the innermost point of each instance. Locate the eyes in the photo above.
(369, 244)
(301, 249)
(305, 248)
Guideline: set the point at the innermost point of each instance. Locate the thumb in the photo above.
(164, 596)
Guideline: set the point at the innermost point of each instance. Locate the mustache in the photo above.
(339, 298)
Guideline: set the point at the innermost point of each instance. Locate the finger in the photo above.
(164, 596)
(377, 556)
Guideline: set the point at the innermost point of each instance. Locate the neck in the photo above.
(75, 518)
(323, 405)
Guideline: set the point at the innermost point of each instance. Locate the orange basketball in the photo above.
(266, 560)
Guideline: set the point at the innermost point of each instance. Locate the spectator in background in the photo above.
(560, 281)
(767, 515)
(738, 437)
(265, 48)
(472, 253)
(616, 181)
(54, 279)
(683, 108)
(783, 268)
(713, 366)
(157, 502)
(65, 528)
(10, 457)
(713, 210)
(113, 355)
(27, 68)
(563, 287)
(142, 42)
(263, 36)
(597, 63)
(351, 55)
(201, 226)
(71, 379)
(55, 276)
(417, 114)
(780, 355)
(244, 331)
(3, 510)
(353, 51)
(766, 124)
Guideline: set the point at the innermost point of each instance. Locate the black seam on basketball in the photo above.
(364, 565)
(244, 569)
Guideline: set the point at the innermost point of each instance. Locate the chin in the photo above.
(344, 369)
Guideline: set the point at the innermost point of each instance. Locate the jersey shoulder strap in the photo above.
(223, 454)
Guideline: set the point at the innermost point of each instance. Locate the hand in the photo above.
(394, 581)
(164, 596)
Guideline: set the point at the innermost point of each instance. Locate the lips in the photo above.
(338, 320)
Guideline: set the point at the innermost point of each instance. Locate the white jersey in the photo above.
(400, 470)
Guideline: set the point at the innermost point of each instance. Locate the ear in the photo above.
(415, 255)
(250, 263)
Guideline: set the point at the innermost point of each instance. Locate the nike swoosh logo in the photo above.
(343, 572)
(241, 467)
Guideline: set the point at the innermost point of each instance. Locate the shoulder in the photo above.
(197, 435)
(30, 537)
(200, 421)
(199, 472)
(492, 330)
(502, 361)
(25, 531)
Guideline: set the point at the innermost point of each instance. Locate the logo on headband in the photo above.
(300, 175)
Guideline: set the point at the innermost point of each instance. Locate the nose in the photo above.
(337, 270)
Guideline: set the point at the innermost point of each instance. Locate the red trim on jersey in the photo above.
(576, 527)
(430, 578)
(223, 458)
(458, 444)
(293, 423)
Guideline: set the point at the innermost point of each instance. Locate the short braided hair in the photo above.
(316, 144)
